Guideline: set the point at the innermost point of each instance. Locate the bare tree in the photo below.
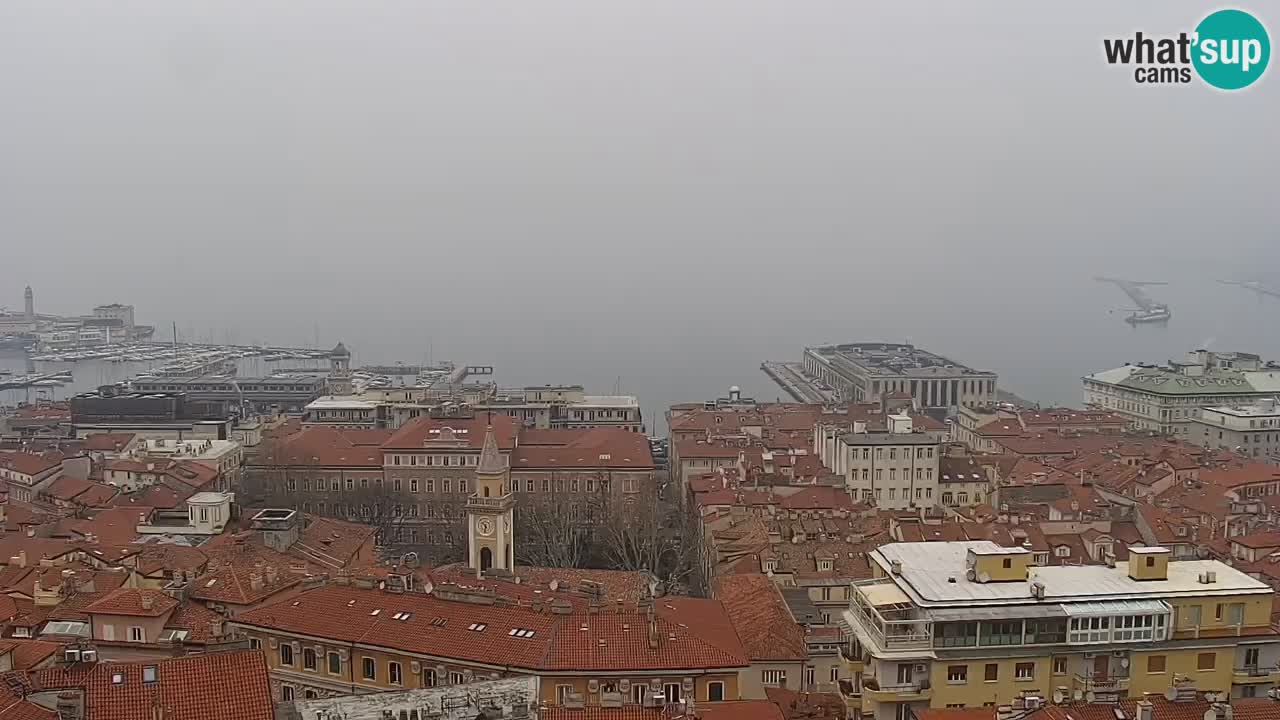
(642, 531)
(551, 534)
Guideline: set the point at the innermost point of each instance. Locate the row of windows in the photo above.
(921, 474)
(1101, 629)
(446, 485)
(672, 692)
(921, 493)
(310, 660)
(922, 453)
(436, 460)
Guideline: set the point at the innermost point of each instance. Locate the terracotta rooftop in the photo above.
(212, 686)
(761, 618)
(468, 433)
(612, 448)
(134, 602)
(27, 463)
(689, 633)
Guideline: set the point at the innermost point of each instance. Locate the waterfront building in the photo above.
(865, 372)
(284, 393)
(1167, 398)
(970, 624)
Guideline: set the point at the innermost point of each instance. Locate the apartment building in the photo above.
(970, 624)
(896, 469)
(1252, 429)
(355, 638)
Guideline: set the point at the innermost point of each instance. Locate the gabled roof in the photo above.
(27, 463)
(464, 433)
(689, 633)
(213, 686)
(134, 602)
(761, 618)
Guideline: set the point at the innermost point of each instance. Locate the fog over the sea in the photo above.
(657, 194)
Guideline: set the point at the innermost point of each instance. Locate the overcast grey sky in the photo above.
(665, 190)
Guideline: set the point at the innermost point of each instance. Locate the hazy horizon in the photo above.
(658, 195)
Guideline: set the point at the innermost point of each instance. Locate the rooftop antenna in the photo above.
(175, 339)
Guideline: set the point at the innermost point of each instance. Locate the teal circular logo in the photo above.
(1232, 49)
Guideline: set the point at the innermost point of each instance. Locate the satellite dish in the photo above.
(1059, 697)
(1171, 694)
(1124, 662)
(1090, 696)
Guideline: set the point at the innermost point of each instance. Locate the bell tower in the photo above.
(490, 542)
(339, 370)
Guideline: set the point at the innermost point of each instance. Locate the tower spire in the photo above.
(491, 461)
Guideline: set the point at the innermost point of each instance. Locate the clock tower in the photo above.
(489, 512)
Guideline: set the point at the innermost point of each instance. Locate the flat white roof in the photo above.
(208, 498)
(933, 574)
(341, 402)
(1152, 550)
(620, 401)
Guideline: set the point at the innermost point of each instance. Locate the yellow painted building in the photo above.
(970, 624)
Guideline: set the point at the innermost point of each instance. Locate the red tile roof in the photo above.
(689, 633)
(1162, 709)
(134, 602)
(1240, 473)
(1259, 539)
(468, 432)
(761, 618)
(198, 620)
(26, 463)
(107, 442)
(320, 446)
(14, 707)
(612, 448)
(212, 686)
(29, 653)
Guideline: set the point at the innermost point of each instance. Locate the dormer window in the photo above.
(824, 566)
(770, 565)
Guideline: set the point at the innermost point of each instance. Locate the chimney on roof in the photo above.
(255, 582)
(653, 631)
(271, 575)
(146, 601)
(20, 559)
(1145, 710)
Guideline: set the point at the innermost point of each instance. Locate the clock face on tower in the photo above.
(484, 526)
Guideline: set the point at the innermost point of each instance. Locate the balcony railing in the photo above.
(1256, 671)
(890, 633)
(897, 692)
(1102, 684)
(493, 502)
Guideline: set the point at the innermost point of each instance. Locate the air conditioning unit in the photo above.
(72, 655)
(1090, 656)
(921, 668)
(593, 685)
(89, 656)
(1032, 702)
(624, 685)
(1118, 653)
(687, 684)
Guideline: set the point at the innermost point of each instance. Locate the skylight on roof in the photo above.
(520, 633)
(439, 621)
(375, 612)
(477, 627)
